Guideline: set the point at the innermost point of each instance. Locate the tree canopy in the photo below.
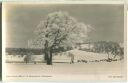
(60, 30)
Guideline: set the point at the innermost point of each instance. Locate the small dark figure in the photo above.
(72, 57)
(34, 62)
(109, 60)
(25, 60)
(82, 60)
(96, 60)
(78, 61)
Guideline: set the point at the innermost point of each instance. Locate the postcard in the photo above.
(64, 42)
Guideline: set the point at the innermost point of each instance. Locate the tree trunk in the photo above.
(45, 55)
(46, 51)
(50, 56)
(49, 61)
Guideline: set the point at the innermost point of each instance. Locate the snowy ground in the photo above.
(66, 71)
(63, 57)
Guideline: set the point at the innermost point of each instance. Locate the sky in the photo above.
(22, 19)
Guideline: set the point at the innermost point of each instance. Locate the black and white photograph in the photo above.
(64, 42)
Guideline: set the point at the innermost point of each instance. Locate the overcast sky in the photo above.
(107, 20)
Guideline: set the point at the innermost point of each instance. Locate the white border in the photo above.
(64, 1)
(52, 2)
(3, 42)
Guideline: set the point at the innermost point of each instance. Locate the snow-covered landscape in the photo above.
(54, 42)
(65, 71)
(79, 55)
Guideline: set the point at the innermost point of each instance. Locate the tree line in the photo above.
(23, 51)
(109, 47)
